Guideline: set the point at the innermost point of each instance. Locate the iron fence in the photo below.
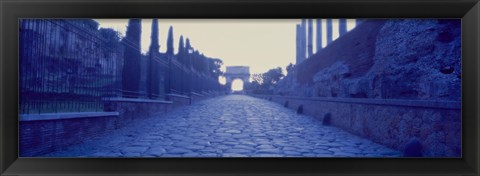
(69, 66)
(63, 67)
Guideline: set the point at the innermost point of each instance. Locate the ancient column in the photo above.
(303, 42)
(342, 27)
(310, 38)
(319, 34)
(298, 44)
(329, 31)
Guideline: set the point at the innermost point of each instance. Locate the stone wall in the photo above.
(384, 59)
(44, 133)
(39, 136)
(131, 109)
(435, 124)
(196, 97)
(179, 100)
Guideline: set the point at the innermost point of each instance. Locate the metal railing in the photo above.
(68, 67)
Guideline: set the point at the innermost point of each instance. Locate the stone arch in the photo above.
(237, 72)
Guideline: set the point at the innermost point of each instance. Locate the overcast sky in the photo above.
(261, 44)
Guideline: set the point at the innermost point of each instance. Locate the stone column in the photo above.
(301, 49)
(319, 34)
(303, 40)
(310, 38)
(342, 27)
(298, 44)
(329, 31)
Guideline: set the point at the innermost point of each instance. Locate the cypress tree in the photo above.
(187, 48)
(170, 42)
(132, 55)
(153, 77)
(181, 51)
(154, 46)
(169, 72)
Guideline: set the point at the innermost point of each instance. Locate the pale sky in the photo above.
(261, 44)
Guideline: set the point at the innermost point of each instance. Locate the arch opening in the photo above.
(237, 85)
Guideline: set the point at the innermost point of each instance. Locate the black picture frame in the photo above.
(12, 10)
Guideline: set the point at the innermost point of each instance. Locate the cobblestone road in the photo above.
(229, 126)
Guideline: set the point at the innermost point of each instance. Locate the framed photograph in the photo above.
(239, 87)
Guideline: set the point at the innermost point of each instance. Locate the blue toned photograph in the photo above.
(220, 88)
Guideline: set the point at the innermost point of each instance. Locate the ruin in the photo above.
(237, 72)
(304, 36)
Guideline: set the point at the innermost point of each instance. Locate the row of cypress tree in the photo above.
(186, 55)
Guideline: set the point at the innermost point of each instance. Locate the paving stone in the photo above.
(153, 138)
(269, 150)
(191, 154)
(244, 147)
(322, 152)
(288, 152)
(157, 151)
(179, 151)
(236, 150)
(324, 155)
(204, 143)
(131, 155)
(193, 147)
(162, 143)
(134, 149)
(228, 126)
(268, 155)
(265, 146)
(344, 154)
(208, 155)
(234, 155)
(233, 131)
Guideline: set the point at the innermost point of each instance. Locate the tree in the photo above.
(188, 49)
(181, 51)
(131, 68)
(290, 68)
(170, 42)
(215, 65)
(272, 76)
(112, 38)
(257, 78)
(153, 74)
(264, 82)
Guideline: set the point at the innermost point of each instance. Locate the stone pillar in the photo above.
(303, 42)
(319, 34)
(299, 45)
(342, 27)
(329, 31)
(301, 49)
(310, 38)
